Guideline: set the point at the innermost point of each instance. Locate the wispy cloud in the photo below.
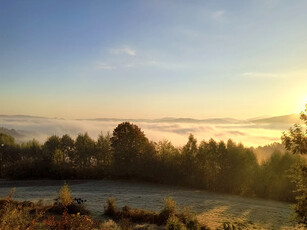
(102, 65)
(261, 75)
(302, 73)
(271, 3)
(155, 64)
(218, 14)
(124, 50)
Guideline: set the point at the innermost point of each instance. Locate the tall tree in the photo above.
(129, 144)
(67, 146)
(104, 153)
(85, 150)
(188, 164)
(295, 140)
(6, 142)
(50, 146)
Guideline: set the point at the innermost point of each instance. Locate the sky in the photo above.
(152, 59)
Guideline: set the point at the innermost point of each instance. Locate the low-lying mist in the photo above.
(250, 132)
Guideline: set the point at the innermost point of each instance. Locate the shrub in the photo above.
(189, 219)
(73, 208)
(9, 197)
(168, 216)
(299, 177)
(109, 225)
(168, 211)
(125, 224)
(65, 195)
(138, 215)
(11, 218)
(173, 223)
(66, 204)
(76, 222)
(19, 215)
(111, 209)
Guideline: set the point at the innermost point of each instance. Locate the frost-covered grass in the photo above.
(211, 208)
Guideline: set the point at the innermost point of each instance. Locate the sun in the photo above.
(297, 103)
(303, 103)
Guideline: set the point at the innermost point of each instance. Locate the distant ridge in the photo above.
(11, 132)
(24, 128)
(23, 116)
(174, 120)
(286, 119)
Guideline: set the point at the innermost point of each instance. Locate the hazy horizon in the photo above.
(252, 132)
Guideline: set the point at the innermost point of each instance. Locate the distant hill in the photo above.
(286, 119)
(174, 120)
(21, 117)
(208, 120)
(11, 132)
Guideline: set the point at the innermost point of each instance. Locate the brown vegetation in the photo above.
(169, 216)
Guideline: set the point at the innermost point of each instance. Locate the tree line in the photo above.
(128, 154)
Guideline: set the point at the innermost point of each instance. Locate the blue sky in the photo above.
(149, 59)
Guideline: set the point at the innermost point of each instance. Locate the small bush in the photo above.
(76, 222)
(65, 195)
(111, 209)
(9, 197)
(138, 215)
(109, 225)
(73, 208)
(125, 224)
(19, 215)
(298, 175)
(190, 220)
(168, 211)
(168, 216)
(65, 203)
(173, 223)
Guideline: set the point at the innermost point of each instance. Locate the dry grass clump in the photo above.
(19, 215)
(169, 216)
(70, 209)
(67, 221)
(109, 225)
(65, 203)
(29, 215)
(134, 215)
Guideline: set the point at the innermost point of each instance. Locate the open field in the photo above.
(212, 208)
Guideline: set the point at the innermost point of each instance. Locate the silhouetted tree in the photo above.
(129, 144)
(6, 143)
(85, 151)
(67, 146)
(188, 163)
(104, 151)
(168, 160)
(295, 140)
(50, 146)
